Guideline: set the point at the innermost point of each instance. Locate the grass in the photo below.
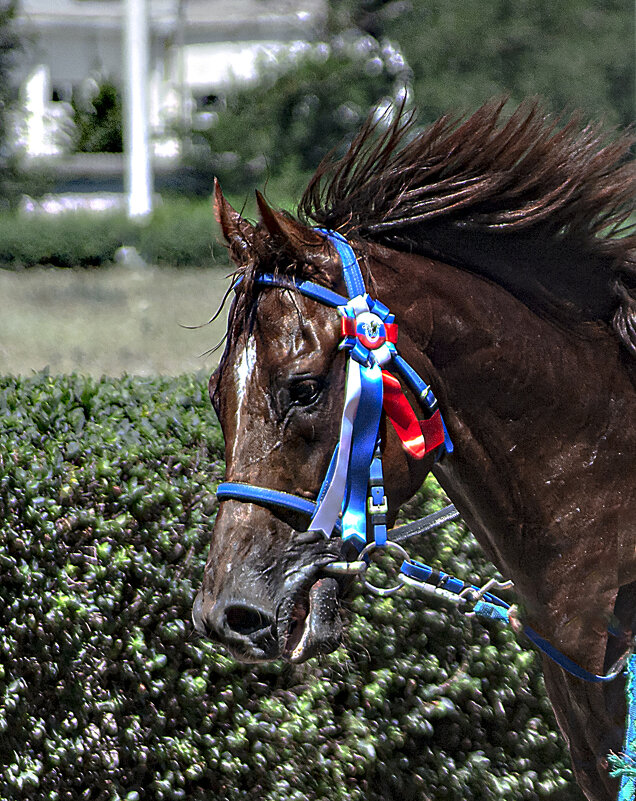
(111, 320)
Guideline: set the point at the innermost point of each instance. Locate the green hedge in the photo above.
(178, 233)
(106, 692)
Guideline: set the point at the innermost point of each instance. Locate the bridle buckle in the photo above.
(377, 508)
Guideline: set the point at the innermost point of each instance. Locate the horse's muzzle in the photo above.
(305, 623)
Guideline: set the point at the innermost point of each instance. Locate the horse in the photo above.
(501, 244)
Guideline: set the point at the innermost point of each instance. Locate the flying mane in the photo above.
(539, 205)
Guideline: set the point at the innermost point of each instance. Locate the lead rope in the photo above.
(468, 599)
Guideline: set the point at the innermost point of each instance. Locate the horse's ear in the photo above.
(236, 230)
(295, 238)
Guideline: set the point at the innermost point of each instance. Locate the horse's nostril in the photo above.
(247, 620)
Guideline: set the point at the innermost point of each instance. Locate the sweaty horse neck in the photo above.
(536, 411)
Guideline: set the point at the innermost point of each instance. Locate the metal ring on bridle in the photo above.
(388, 546)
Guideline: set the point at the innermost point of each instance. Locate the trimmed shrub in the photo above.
(178, 233)
(181, 234)
(73, 239)
(106, 692)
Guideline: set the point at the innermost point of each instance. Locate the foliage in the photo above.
(66, 240)
(573, 54)
(98, 119)
(280, 128)
(9, 48)
(181, 233)
(449, 54)
(452, 55)
(178, 233)
(106, 499)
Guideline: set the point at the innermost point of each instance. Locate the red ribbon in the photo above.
(418, 437)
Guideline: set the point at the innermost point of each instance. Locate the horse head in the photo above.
(278, 393)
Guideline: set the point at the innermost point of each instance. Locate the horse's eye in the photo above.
(304, 392)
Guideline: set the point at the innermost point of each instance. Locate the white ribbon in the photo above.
(327, 513)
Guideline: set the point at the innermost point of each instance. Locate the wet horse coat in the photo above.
(497, 247)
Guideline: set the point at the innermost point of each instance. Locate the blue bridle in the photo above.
(353, 487)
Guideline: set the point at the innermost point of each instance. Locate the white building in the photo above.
(197, 48)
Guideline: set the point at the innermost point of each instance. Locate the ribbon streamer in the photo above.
(418, 437)
(329, 509)
(365, 436)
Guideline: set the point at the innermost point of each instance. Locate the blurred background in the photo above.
(115, 115)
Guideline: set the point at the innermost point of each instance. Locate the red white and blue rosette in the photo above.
(369, 334)
(369, 330)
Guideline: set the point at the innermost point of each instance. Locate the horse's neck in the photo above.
(534, 410)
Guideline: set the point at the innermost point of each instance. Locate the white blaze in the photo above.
(243, 372)
(244, 369)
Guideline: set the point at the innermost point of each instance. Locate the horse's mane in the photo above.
(543, 206)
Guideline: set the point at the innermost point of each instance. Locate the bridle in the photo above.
(352, 490)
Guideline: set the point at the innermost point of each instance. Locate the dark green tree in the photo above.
(98, 120)
(9, 50)
(573, 54)
(450, 54)
(280, 128)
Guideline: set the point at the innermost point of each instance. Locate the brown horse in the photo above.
(500, 248)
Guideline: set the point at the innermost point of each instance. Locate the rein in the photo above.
(352, 491)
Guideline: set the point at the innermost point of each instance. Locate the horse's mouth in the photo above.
(310, 623)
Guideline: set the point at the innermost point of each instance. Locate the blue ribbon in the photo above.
(365, 434)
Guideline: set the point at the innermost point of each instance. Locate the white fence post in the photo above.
(136, 132)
